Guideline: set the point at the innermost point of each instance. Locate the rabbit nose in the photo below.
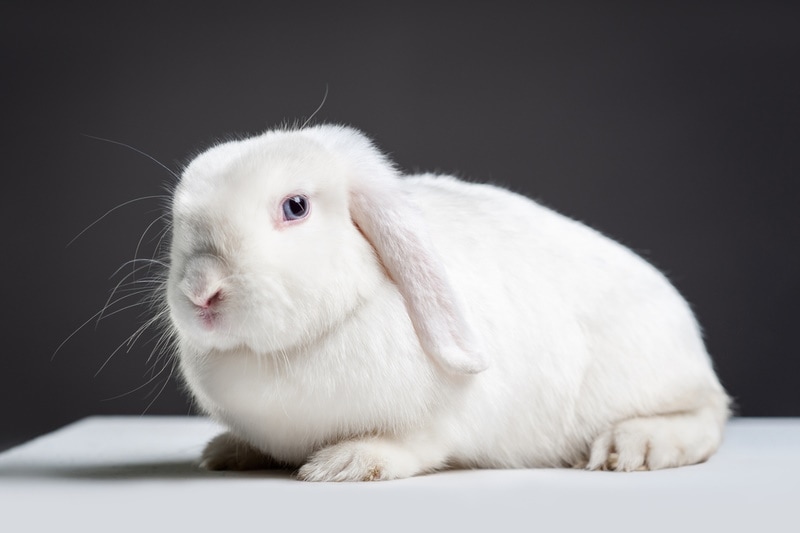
(203, 282)
(206, 300)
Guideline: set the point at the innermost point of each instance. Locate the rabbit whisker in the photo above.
(164, 386)
(101, 218)
(140, 152)
(146, 230)
(319, 107)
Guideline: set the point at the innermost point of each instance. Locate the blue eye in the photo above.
(295, 207)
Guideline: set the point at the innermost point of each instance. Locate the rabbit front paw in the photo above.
(226, 452)
(360, 460)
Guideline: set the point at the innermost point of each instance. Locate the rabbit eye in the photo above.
(295, 207)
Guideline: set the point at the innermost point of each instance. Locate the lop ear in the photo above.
(393, 225)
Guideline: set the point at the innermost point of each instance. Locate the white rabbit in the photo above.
(341, 318)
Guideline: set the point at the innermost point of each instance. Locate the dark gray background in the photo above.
(673, 129)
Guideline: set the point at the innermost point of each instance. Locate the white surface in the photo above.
(139, 474)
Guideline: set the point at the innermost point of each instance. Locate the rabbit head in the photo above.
(278, 237)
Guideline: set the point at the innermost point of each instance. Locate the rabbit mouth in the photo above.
(208, 319)
(207, 307)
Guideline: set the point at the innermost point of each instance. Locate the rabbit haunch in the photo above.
(394, 325)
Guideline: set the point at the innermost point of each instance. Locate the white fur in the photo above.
(413, 323)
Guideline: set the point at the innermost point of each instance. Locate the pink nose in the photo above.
(207, 302)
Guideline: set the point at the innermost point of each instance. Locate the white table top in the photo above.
(139, 474)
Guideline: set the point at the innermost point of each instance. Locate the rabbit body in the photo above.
(579, 353)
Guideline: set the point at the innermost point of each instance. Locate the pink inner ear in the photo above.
(394, 227)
